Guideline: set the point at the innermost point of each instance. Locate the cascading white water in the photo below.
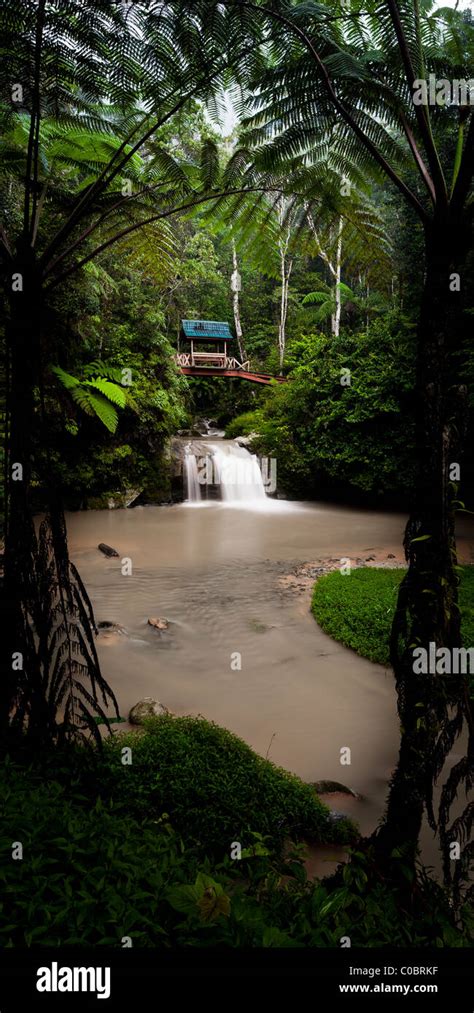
(237, 473)
(231, 468)
(193, 488)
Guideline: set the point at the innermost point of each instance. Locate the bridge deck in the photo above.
(241, 374)
(193, 363)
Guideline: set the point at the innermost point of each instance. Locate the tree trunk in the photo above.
(427, 610)
(236, 302)
(286, 267)
(51, 655)
(23, 357)
(337, 280)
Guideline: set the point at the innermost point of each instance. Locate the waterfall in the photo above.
(193, 488)
(237, 473)
(231, 470)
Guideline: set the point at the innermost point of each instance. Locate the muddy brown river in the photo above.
(218, 574)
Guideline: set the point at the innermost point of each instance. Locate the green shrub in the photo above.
(91, 874)
(88, 874)
(357, 610)
(243, 425)
(213, 786)
(329, 437)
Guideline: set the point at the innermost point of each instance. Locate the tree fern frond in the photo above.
(110, 390)
(68, 381)
(98, 368)
(94, 404)
(313, 298)
(209, 164)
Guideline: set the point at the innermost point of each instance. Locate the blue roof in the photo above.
(213, 329)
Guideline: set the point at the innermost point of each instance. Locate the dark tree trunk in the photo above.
(52, 682)
(23, 368)
(431, 706)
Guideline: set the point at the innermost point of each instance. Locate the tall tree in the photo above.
(236, 283)
(285, 211)
(334, 265)
(85, 93)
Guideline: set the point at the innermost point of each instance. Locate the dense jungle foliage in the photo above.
(329, 432)
(339, 209)
(101, 868)
(328, 428)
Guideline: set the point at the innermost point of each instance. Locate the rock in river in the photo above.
(110, 633)
(107, 550)
(329, 787)
(337, 817)
(159, 623)
(146, 708)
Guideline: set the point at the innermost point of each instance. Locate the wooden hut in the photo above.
(204, 343)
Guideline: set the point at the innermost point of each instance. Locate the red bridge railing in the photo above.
(214, 360)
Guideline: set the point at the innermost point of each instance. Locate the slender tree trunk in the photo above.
(431, 706)
(236, 302)
(286, 268)
(337, 280)
(334, 272)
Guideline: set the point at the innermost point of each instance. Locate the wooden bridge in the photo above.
(221, 364)
(214, 360)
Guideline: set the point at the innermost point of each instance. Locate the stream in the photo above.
(219, 572)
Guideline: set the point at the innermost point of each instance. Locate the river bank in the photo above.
(235, 584)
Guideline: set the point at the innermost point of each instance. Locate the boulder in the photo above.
(329, 787)
(245, 441)
(146, 708)
(159, 623)
(130, 496)
(110, 634)
(202, 425)
(107, 627)
(337, 817)
(107, 550)
(119, 500)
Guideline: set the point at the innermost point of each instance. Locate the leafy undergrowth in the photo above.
(357, 609)
(214, 787)
(243, 425)
(92, 874)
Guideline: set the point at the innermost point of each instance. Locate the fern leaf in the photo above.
(104, 411)
(110, 390)
(209, 164)
(68, 381)
(315, 297)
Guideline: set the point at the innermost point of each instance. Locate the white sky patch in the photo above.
(460, 5)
